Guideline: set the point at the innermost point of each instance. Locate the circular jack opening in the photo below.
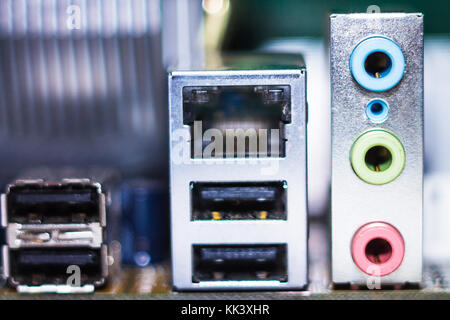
(378, 251)
(378, 64)
(377, 110)
(378, 248)
(378, 158)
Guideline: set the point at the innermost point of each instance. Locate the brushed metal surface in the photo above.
(354, 202)
(66, 92)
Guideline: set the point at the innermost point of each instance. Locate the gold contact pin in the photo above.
(33, 218)
(377, 169)
(263, 215)
(377, 75)
(216, 215)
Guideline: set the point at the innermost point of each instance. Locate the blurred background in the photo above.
(84, 83)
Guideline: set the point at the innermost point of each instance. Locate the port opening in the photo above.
(239, 262)
(377, 110)
(247, 121)
(378, 158)
(378, 64)
(35, 267)
(239, 201)
(53, 204)
(378, 250)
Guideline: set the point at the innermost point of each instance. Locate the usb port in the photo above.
(50, 266)
(43, 203)
(240, 262)
(239, 201)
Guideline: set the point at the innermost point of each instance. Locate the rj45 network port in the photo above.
(50, 227)
(240, 108)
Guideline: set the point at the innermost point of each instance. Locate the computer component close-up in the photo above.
(377, 147)
(238, 175)
(224, 150)
(51, 229)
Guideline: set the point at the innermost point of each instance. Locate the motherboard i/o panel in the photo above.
(238, 176)
(83, 85)
(377, 147)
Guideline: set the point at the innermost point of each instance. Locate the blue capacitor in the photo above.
(145, 222)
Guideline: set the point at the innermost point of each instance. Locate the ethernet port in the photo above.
(238, 200)
(248, 120)
(239, 263)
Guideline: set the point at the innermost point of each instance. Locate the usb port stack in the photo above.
(55, 235)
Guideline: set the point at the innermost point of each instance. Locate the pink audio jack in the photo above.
(378, 248)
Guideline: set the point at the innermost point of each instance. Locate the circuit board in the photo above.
(154, 283)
